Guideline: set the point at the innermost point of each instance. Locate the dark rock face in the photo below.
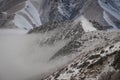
(3, 17)
(98, 26)
(50, 26)
(116, 62)
(110, 75)
(70, 48)
(60, 10)
(63, 30)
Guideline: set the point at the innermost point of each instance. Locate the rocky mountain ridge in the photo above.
(95, 51)
(94, 59)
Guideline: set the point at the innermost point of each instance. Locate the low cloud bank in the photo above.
(22, 57)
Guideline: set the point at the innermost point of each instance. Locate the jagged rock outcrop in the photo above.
(59, 30)
(61, 10)
(96, 52)
(98, 55)
(98, 26)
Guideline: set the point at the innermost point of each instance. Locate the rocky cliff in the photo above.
(96, 53)
(97, 58)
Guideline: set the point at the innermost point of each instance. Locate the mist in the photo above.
(23, 58)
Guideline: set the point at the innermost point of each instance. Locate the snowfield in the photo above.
(28, 17)
(87, 26)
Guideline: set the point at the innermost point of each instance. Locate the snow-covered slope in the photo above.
(30, 14)
(44, 11)
(87, 26)
(28, 17)
(113, 13)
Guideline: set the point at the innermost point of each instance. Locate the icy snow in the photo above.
(33, 12)
(22, 23)
(87, 26)
(60, 10)
(29, 9)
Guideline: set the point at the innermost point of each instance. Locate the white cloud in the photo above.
(21, 57)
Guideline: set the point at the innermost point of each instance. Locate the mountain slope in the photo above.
(92, 51)
(72, 26)
(94, 60)
(51, 10)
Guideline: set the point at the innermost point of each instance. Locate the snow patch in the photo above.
(22, 23)
(87, 26)
(29, 10)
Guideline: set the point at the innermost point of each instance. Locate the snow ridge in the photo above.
(28, 17)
